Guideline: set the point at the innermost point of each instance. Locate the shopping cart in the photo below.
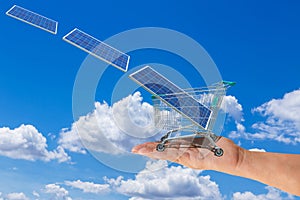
(182, 130)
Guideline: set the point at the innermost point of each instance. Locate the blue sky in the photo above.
(253, 43)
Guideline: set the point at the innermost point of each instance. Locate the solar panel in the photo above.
(172, 95)
(98, 49)
(33, 19)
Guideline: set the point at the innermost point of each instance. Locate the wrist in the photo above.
(241, 159)
(233, 159)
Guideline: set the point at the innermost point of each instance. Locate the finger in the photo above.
(170, 153)
(144, 148)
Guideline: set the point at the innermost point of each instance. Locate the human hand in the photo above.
(259, 166)
(196, 158)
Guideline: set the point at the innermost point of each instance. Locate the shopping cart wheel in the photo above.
(219, 152)
(160, 147)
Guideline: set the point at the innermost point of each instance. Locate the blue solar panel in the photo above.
(32, 18)
(98, 49)
(174, 96)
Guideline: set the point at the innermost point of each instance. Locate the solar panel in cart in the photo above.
(172, 95)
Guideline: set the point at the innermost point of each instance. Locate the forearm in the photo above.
(278, 170)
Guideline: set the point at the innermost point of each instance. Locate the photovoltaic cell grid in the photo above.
(98, 49)
(174, 96)
(32, 18)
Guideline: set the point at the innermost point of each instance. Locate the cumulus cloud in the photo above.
(285, 109)
(111, 129)
(281, 121)
(70, 140)
(16, 196)
(234, 109)
(168, 183)
(89, 187)
(25, 142)
(57, 192)
(272, 194)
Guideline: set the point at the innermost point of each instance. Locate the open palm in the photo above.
(260, 166)
(196, 158)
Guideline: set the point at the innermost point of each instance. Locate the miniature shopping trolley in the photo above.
(187, 116)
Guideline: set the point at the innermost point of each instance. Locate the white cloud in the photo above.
(285, 109)
(111, 129)
(36, 194)
(59, 154)
(70, 140)
(282, 121)
(89, 187)
(57, 192)
(114, 182)
(277, 129)
(257, 150)
(240, 131)
(273, 194)
(168, 183)
(25, 142)
(16, 196)
(234, 110)
(231, 106)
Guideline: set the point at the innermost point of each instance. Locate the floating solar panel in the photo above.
(33, 19)
(98, 49)
(172, 95)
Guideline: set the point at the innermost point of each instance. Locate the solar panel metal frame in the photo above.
(35, 25)
(94, 54)
(172, 106)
